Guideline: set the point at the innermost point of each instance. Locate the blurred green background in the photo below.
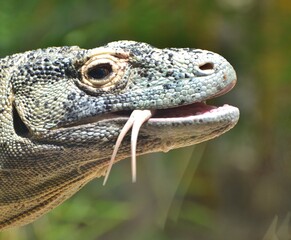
(228, 188)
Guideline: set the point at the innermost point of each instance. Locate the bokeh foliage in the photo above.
(243, 178)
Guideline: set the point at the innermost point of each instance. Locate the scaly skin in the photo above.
(62, 109)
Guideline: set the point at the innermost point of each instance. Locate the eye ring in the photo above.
(99, 72)
(102, 71)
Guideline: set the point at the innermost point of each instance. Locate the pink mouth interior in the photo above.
(184, 111)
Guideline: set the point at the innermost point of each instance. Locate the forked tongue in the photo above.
(135, 121)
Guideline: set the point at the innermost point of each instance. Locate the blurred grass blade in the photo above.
(271, 232)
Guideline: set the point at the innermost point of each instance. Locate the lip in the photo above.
(226, 89)
(200, 113)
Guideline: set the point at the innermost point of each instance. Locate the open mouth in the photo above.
(195, 112)
(185, 112)
(175, 114)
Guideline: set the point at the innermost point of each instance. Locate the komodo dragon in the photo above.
(62, 109)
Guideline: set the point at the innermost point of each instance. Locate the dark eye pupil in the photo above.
(100, 71)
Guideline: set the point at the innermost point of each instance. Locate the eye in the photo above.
(103, 70)
(99, 71)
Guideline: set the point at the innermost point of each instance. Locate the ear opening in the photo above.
(19, 126)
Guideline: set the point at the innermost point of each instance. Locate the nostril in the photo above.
(206, 66)
(204, 69)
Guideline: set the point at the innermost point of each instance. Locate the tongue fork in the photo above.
(135, 121)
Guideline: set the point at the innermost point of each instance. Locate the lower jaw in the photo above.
(196, 113)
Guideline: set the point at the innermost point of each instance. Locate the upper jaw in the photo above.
(196, 112)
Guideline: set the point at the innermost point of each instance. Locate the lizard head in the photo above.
(68, 105)
(78, 98)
